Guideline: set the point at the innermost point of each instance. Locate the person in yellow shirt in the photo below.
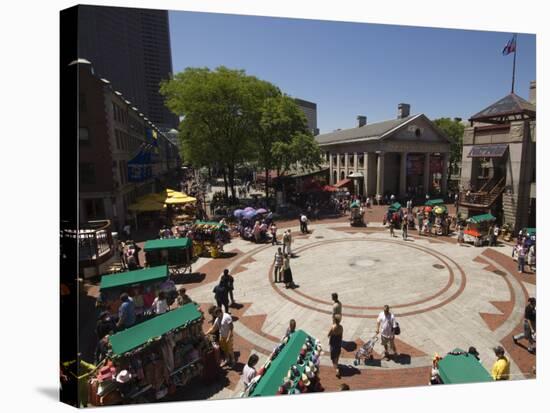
(501, 368)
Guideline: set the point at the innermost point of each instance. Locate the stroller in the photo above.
(365, 352)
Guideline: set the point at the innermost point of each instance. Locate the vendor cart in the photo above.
(209, 237)
(477, 230)
(357, 215)
(439, 210)
(177, 253)
(292, 368)
(149, 361)
(141, 285)
(459, 367)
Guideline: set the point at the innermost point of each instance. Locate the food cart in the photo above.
(209, 237)
(477, 229)
(141, 285)
(148, 361)
(438, 208)
(292, 368)
(459, 367)
(357, 214)
(177, 253)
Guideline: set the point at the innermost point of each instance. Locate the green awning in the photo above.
(169, 243)
(476, 219)
(139, 334)
(355, 204)
(463, 368)
(214, 223)
(134, 277)
(277, 371)
(434, 202)
(530, 231)
(396, 206)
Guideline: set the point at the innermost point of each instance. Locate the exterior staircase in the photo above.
(485, 197)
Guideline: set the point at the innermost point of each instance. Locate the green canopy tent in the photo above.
(478, 219)
(434, 202)
(355, 204)
(140, 334)
(277, 371)
(396, 206)
(162, 244)
(462, 368)
(126, 279)
(171, 251)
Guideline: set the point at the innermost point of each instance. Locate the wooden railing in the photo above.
(484, 198)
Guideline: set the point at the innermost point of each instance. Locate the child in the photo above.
(249, 372)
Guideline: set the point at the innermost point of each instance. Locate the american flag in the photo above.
(510, 46)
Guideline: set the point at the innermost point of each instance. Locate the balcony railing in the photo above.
(485, 197)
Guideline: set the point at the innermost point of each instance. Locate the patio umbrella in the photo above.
(261, 211)
(248, 209)
(238, 213)
(146, 206)
(249, 214)
(428, 209)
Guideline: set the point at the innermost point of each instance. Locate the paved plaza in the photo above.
(444, 296)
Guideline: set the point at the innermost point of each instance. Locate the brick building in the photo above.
(112, 133)
(499, 163)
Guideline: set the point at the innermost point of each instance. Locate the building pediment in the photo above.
(419, 130)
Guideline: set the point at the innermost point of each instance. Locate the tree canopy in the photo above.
(230, 118)
(454, 129)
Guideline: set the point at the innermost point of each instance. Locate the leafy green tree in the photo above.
(221, 112)
(454, 129)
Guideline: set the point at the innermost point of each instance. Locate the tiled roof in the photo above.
(511, 104)
(369, 131)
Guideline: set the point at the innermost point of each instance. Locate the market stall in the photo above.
(142, 285)
(150, 360)
(356, 214)
(292, 368)
(477, 229)
(209, 237)
(459, 367)
(177, 253)
(439, 210)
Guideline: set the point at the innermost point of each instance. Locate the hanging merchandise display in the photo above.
(148, 361)
(209, 237)
(292, 368)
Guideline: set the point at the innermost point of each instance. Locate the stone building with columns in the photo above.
(406, 155)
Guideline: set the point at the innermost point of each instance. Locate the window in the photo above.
(83, 135)
(95, 209)
(87, 173)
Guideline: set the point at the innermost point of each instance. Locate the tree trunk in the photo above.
(266, 184)
(225, 183)
(231, 176)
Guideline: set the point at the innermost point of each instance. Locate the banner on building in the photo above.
(415, 164)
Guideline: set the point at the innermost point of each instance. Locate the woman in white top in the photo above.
(160, 305)
(249, 372)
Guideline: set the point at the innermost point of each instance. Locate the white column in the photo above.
(355, 160)
(346, 163)
(403, 175)
(366, 173)
(380, 175)
(330, 168)
(427, 180)
(337, 167)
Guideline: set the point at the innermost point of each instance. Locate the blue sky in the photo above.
(350, 69)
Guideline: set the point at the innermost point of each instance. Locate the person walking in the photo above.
(223, 324)
(420, 218)
(501, 367)
(460, 239)
(391, 226)
(286, 242)
(303, 224)
(521, 259)
(531, 258)
(273, 231)
(385, 324)
(291, 327)
(228, 281)
(335, 342)
(529, 325)
(404, 229)
(287, 272)
(278, 265)
(221, 295)
(337, 306)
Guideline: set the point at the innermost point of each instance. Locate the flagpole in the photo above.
(514, 64)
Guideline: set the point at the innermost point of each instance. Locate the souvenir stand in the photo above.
(177, 253)
(292, 368)
(150, 360)
(458, 367)
(438, 208)
(209, 237)
(356, 214)
(141, 285)
(477, 230)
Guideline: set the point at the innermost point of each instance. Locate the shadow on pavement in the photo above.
(348, 371)
(193, 278)
(349, 346)
(402, 359)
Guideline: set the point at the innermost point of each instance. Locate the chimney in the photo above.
(361, 120)
(533, 92)
(403, 110)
